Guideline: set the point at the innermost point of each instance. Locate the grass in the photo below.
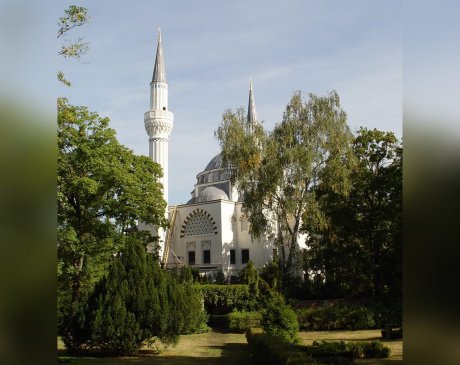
(231, 349)
(203, 349)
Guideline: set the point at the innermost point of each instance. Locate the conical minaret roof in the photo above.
(252, 114)
(159, 73)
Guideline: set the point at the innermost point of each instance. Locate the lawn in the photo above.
(231, 349)
(202, 349)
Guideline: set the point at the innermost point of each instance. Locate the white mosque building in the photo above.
(210, 231)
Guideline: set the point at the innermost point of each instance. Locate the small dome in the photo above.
(211, 193)
(215, 163)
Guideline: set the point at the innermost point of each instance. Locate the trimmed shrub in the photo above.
(279, 320)
(241, 321)
(222, 299)
(337, 317)
(271, 350)
(354, 349)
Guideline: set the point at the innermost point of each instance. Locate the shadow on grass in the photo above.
(230, 354)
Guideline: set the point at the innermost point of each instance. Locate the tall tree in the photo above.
(135, 301)
(74, 16)
(278, 172)
(359, 250)
(103, 190)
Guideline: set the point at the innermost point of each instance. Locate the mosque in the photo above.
(210, 231)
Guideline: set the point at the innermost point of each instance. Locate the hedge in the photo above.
(267, 350)
(354, 349)
(242, 321)
(338, 317)
(222, 299)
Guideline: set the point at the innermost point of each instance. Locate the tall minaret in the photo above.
(158, 120)
(252, 114)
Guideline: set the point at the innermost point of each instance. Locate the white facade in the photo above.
(210, 231)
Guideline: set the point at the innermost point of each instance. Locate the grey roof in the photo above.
(215, 163)
(252, 114)
(159, 73)
(211, 193)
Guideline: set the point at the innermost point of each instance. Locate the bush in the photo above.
(136, 301)
(271, 350)
(242, 321)
(279, 320)
(222, 299)
(354, 349)
(337, 317)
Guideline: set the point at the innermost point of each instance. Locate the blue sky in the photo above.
(213, 47)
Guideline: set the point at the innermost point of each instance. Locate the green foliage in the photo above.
(355, 349)
(221, 299)
(278, 172)
(74, 16)
(339, 317)
(103, 190)
(359, 250)
(136, 301)
(271, 273)
(271, 350)
(241, 321)
(279, 320)
(250, 276)
(219, 277)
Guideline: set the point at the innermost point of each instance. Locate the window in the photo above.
(199, 223)
(232, 257)
(244, 256)
(191, 257)
(206, 256)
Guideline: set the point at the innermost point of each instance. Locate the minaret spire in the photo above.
(159, 73)
(158, 122)
(252, 114)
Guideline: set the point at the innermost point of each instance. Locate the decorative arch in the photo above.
(198, 222)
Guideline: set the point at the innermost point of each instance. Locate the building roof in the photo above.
(211, 193)
(252, 113)
(159, 73)
(215, 163)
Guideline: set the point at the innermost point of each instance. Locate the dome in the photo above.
(214, 172)
(211, 193)
(215, 163)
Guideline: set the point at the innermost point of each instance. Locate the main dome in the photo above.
(213, 183)
(215, 163)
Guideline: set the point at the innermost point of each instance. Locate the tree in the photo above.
(278, 319)
(278, 172)
(135, 301)
(359, 250)
(74, 16)
(104, 189)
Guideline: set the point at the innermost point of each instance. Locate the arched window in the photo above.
(198, 223)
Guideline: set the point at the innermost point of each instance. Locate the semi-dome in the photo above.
(211, 193)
